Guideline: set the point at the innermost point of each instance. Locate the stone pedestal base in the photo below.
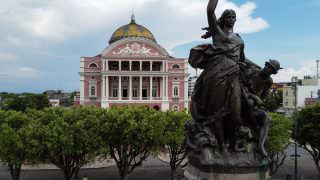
(260, 173)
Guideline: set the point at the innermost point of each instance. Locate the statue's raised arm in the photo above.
(216, 32)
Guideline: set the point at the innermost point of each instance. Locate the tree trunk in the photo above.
(271, 167)
(76, 174)
(15, 171)
(67, 173)
(173, 173)
(123, 172)
(124, 176)
(318, 171)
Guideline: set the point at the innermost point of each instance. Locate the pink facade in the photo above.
(134, 70)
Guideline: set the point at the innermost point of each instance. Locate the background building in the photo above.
(59, 98)
(307, 93)
(134, 69)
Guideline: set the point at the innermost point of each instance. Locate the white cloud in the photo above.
(6, 57)
(28, 27)
(308, 68)
(19, 72)
(172, 22)
(15, 41)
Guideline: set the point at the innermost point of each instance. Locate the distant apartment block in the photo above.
(307, 93)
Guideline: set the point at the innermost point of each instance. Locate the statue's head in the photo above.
(272, 66)
(228, 18)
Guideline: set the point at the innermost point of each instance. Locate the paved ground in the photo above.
(306, 167)
(154, 169)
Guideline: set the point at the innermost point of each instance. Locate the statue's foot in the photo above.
(243, 131)
(240, 146)
(206, 154)
(224, 151)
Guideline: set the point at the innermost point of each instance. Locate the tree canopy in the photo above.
(173, 137)
(274, 100)
(69, 137)
(14, 147)
(308, 132)
(279, 139)
(130, 133)
(22, 102)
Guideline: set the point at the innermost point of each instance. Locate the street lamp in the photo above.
(294, 83)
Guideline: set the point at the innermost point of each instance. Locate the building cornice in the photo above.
(108, 49)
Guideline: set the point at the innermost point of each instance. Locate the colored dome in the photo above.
(131, 30)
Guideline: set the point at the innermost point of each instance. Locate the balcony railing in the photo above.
(135, 98)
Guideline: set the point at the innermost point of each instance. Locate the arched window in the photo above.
(176, 108)
(93, 65)
(175, 66)
(175, 91)
(93, 91)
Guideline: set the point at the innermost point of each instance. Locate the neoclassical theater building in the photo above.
(134, 69)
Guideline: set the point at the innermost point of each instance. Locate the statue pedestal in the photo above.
(243, 173)
(238, 166)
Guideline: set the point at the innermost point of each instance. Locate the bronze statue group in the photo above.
(227, 102)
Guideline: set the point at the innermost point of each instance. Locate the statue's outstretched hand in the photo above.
(207, 34)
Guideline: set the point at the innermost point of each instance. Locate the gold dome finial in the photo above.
(133, 18)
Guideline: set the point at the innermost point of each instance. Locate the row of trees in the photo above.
(24, 101)
(70, 138)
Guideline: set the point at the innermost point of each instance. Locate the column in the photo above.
(82, 89)
(151, 62)
(167, 66)
(150, 93)
(186, 92)
(140, 90)
(140, 65)
(130, 87)
(167, 89)
(107, 65)
(130, 64)
(120, 62)
(107, 87)
(162, 88)
(162, 66)
(103, 87)
(119, 88)
(103, 64)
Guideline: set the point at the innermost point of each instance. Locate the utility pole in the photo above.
(294, 81)
(317, 68)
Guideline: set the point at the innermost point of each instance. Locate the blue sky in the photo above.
(42, 41)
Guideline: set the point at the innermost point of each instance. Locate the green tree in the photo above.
(173, 137)
(130, 133)
(69, 137)
(14, 147)
(308, 132)
(27, 100)
(273, 100)
(279, 134)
